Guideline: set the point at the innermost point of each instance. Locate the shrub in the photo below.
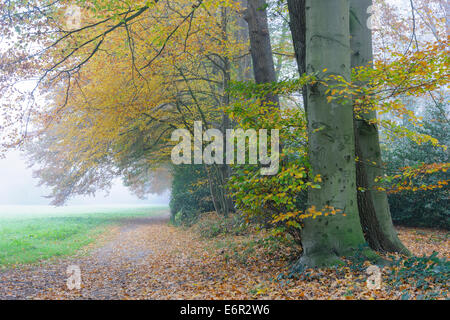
(422, 208)
(190, 194)
(427, 273)
(211, 225)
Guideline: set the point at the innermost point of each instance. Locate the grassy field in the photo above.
(31, 234)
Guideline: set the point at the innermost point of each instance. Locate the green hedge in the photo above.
(190, 194)
(422, 208)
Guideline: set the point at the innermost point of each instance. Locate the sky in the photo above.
(18, 187)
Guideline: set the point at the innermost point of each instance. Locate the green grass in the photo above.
(28, 237)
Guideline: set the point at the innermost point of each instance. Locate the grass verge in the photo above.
(28, 238)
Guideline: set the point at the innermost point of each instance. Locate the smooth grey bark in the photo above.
(373, 204)
(331, 141)
(260, 46)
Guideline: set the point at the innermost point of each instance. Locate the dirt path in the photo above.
(142, 258)
(146, 258)
(106, 272)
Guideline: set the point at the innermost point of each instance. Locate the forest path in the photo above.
(147, 258)
(117, 269)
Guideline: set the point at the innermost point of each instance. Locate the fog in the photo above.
(18, 187)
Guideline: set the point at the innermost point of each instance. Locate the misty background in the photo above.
(18, 187)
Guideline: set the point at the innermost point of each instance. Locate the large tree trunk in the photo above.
(331, 140)
(373, 204)
(260, 47)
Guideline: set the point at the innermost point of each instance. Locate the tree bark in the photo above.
(331, 141)
(245, 70)
(260, 46)
(373, 204)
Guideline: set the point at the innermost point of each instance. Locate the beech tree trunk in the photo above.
(373, 204)
(245, 70)
(260, 46)
(331, 141)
